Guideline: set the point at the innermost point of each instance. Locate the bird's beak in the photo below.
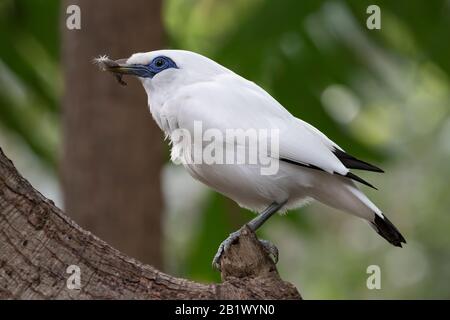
(121, 67)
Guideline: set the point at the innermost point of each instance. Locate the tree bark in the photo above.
(112, 150)
(38, 243)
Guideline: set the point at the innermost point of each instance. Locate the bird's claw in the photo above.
(268, 246)
(271, 249)
(223, 247)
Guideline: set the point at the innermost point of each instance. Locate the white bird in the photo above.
(184, 87)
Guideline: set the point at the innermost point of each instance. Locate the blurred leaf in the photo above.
(285, 60)
(29, 54)
(27, 123)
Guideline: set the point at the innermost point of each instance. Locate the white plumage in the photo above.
(191, 87)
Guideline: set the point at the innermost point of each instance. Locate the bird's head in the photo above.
(163, 68)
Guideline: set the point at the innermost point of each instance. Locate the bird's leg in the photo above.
(259, 220)
(254, 225)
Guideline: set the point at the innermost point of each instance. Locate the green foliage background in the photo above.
(383, 95)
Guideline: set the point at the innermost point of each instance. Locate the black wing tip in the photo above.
(369, 167)
(351, 162)
(377, 169)
(359, 179)
(373, 168)
(349, 175)
(388, 231)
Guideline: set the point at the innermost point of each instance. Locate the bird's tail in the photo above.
(378, 220)
(343, 194)
(387, 230)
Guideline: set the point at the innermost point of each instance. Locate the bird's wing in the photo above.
(231, 102)
(347, 160)
(325, 140)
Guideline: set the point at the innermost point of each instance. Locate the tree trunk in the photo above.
(38, 243)
(112, 150)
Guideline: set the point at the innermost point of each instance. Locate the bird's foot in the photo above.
(223, 247)
(268, 246)
(271, 249)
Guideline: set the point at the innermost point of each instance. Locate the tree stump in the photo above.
(38, 243)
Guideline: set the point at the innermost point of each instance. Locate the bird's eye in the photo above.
(159, 63)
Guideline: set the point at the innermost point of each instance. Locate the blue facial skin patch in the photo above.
(120, 67)
(157, 65)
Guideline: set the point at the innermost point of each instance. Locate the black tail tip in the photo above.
(388, 231)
